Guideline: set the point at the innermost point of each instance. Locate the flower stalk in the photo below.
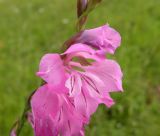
(18, 125)
(75, 82)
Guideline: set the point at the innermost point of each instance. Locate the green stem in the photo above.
(83, 18)
(18, 125)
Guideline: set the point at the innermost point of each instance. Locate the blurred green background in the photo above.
(31, 28)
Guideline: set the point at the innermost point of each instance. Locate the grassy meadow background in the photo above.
(31, 28)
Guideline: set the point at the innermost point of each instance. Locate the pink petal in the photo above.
(71, 122)
(85, 104)
(109, 72)
(54, 113)
(79, 48)
(82, 50)
(97, 92)
(107, 100)
(103, 38)
(93, 83)
(51, 69)
(74, 85)
(45, 107)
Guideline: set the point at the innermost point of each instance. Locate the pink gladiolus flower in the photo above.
(77, 81)
(88, 84)
(54, 114)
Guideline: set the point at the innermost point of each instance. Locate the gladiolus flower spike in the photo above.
(76, 81)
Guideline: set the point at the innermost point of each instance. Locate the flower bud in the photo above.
(81, 6)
